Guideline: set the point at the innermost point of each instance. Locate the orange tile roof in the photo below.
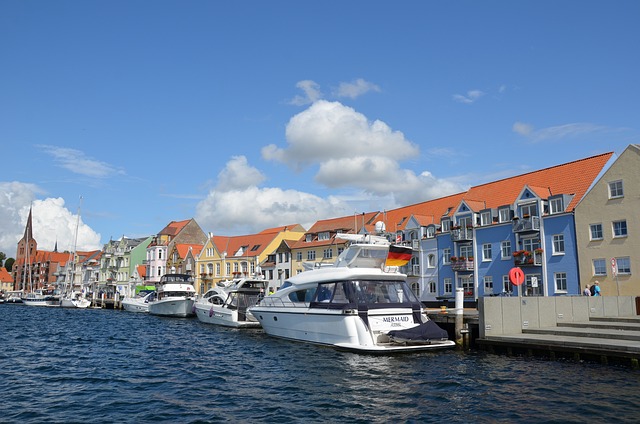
(174, 227)
(183, 249)
(142, 271)
(5, 277)
(292, 227)
(569, 178)
(254, 243)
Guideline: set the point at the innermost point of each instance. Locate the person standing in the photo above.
(586, 291)
(597, 289)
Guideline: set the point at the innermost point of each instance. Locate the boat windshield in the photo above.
(369, 293)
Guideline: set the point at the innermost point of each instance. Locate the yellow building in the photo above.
(229, 257)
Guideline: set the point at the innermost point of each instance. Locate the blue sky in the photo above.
(250, 114)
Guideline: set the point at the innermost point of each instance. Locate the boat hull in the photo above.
(135, 306)
(180, 308)
(79, 303)
(218, 315)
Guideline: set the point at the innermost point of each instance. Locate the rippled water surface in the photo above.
(72, 366)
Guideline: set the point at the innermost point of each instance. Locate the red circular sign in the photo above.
(516, 276)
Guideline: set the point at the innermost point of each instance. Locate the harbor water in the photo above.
(105, 366)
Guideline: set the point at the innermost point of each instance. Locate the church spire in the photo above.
(28, 230)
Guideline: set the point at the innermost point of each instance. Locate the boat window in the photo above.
(302, 295)
(374, 293)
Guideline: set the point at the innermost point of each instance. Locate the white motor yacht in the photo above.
(75, 299)
(359, 303)
(227, 305)
(176, 296)
(140, 302)
(41, 297)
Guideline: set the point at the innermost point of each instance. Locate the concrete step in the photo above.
(606, 325)
(596, 345)
(587, 332)
(628, 320)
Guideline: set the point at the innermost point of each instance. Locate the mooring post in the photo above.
(459, 316)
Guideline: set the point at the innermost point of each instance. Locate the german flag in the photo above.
(398, 255)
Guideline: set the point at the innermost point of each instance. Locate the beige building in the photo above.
(608, 228)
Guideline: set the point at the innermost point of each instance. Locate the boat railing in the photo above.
(277, 302)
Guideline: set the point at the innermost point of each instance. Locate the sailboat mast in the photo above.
(75, 247)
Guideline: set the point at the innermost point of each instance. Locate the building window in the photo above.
(599, 267)
(431, 261)
(620, 228)
(311, 255)
(506, 284)
(217, 269)
(486, 252)
(624, 265)
(556, 205)
(466, 251)
(448, 286)
(485, 218)
(235, 267)
(596, 231)
(308, 238)
(615, 189)
(340, 250)
(415, 288)
(505, 249)
(488, 283)
(558, 244)
(431, 232)
(228, 269)
(446, 256)
(432, 287)
(299, 256)
(323, 235)
(504, 214)
(561, 281)
(327, 253)
(446, 225)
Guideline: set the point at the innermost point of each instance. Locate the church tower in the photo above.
(26, 254)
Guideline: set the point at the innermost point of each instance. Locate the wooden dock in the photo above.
(603, 339)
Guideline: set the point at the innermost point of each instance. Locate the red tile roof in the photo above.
(183, 249)
(5, 277)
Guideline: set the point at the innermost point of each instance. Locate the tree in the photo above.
(9, 264)
(3, 256)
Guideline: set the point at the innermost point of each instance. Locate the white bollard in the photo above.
(459, 301)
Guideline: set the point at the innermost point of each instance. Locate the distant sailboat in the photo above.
(72, 298)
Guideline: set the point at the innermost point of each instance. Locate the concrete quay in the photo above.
(606, 330)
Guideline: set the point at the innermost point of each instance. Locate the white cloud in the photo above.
(52, 221)
(77, 162)
(556, 132)
(311, 93)
(237, 174)
(329, 130)
(238, 209)
(355, 89)
(471, 96)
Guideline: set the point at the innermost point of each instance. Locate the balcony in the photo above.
(526, 224)
(462, 264)
(527, 258)
(462, 234)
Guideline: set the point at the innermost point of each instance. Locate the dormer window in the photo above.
(308, 238)
(323, 235)
(431, 232)
(556, 205)
(504, 214)
(446, 225)
(485, 218)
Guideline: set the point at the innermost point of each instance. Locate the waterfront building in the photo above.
(80, 272)
(277, 267)
(118, 264)
(6, 280)
(182, 258)
(478, 236)
(608, 228)
(229, 257)
(185, 232)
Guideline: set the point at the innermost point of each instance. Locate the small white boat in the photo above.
(75, 299)
(359, 304)
(41, 297)
(227, 305)
(176, 296)
(139, 303)
(14, 297)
